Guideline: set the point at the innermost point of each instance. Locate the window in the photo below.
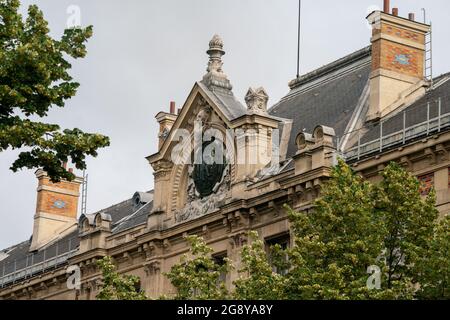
(449, 177)
(88, 294)
(138, 286)
(283, 241)
(426, 183)
(219, 259)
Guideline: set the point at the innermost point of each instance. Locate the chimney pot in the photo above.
(172, 107)
(64, 165)
(395, 12)
(387, 6)
(412, 17)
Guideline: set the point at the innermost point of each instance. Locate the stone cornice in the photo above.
(58, 190)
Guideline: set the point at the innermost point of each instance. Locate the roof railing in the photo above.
(432, 125)
(36, 263)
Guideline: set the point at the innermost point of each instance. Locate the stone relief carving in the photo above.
(197, 206)
(164, 134)
(208, 183)
(204, 115)
(256, 100)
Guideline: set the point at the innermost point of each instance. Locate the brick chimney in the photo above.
(398, 58)
(56, 209)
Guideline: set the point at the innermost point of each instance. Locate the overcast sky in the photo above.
(145, 53)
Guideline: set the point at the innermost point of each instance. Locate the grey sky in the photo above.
(145, 53)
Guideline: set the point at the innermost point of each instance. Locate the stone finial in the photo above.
(215, 53)
(256, 100)
(215, 76)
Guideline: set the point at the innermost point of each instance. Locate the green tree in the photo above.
(354, 225)
(434, 267)
(336, 242)
(258, 281)
(34, 78)
(408, 227)
(197, 275)
(116, 286)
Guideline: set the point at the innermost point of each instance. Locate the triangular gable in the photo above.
(223, 103)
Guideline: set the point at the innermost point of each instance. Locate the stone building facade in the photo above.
(371, 107)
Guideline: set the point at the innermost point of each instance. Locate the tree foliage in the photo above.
(257, 280)
(116, 286)
(407, 230)
(336, 242)
(34, 77)
(354, 226)
(197, 275)
(434, 266)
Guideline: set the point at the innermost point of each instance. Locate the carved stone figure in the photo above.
(203, 115)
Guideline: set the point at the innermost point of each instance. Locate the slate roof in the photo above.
(19, 256)
(133, 215)
(327, 96)
(226, 101)
(125, 215)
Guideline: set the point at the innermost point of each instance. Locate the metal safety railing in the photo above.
(435, 121)
(37, 263)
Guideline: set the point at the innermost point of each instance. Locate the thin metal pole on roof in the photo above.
(56, 253)
(299, 36)
(404, 127)
(439, 114)
(431, 51)
(381, 136)
(359, 144)
(15, 269)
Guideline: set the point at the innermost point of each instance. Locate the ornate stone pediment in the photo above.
(209, 174)
(191, 188)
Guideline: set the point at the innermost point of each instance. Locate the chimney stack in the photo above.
(172, 107)
(398, 55)
(387, 6)
(56, 209)
(412, 17)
